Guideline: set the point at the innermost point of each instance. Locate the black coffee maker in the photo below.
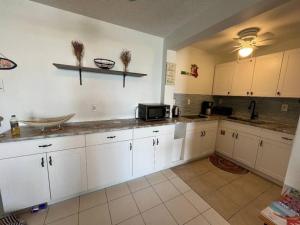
(206, 107)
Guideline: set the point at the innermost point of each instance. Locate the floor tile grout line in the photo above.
(62, 218)
(246, 205)
(163, 203)
(139, 208)
(140, 188)
(108, 207)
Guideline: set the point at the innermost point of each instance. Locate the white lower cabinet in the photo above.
(200, 139)
(245, 148)
(108, 164)
(24, 182)
(163, 151)
(225, 141)
(152, 154)
(192, 146)
(67, 173)
(264, 150)
(272, 158)
(143, 156)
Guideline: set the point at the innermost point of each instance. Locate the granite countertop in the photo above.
(269, 125)
(81, 128)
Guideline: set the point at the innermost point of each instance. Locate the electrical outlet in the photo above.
(94, 108)
(189, 101)
(284, 107)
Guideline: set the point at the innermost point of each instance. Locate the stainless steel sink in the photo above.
(195, 117)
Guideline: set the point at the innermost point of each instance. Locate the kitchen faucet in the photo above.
(254, 115)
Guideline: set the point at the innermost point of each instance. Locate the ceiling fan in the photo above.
(248, 40)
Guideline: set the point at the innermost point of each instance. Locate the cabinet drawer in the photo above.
(202, 125)
(108, 137)
(152, 131)
(240, 127)
(21, 148)
(277, 136)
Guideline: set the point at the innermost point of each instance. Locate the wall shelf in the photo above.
(98, 70)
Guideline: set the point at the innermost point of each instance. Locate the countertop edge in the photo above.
(82, 128)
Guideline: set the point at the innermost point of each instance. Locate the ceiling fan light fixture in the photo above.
(245, 52)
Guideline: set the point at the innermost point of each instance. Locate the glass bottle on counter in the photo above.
(14, 126)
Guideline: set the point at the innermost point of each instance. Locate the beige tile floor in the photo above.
(194, 194)
(238, 198)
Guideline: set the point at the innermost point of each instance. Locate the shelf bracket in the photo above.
(80, 77)
(124, 77)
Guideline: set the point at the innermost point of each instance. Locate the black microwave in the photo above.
(150, 112)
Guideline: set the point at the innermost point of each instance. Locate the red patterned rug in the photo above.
(227, 165)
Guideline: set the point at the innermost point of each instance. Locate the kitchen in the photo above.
(100, 166)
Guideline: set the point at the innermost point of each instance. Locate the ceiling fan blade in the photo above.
(267, 35)
(265, 43)
(235, 50)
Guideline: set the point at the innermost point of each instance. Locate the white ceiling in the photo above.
(283, 22)
(157, 17)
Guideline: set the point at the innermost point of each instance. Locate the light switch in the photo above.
(284, 107)
(189, 101)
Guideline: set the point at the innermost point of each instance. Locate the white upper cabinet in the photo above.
(273, 75)
(242, 79)
(266, 75)
(289, 78)
(223, 78)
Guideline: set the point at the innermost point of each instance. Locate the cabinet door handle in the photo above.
(45, 146)
(228, 92)
(288, 139)
(43, 162)
(251, 92)
(50, 161)
(111, 137)
(223, 132)
(278, 93)
(157, 142)
(204, 133)
(247, 92)
(130, 146)
(155, 131)
(261, 143)
(236, 136)
(153, 143)
(233, 134)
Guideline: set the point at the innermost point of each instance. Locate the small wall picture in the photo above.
(193, 72)
(170, 75)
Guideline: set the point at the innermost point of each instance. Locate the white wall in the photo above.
(191, 85)
(35, 36)
(292, 178)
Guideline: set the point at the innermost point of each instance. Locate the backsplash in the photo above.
(194, 107)
(267, 108)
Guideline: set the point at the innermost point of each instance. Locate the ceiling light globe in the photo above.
(245, 52)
